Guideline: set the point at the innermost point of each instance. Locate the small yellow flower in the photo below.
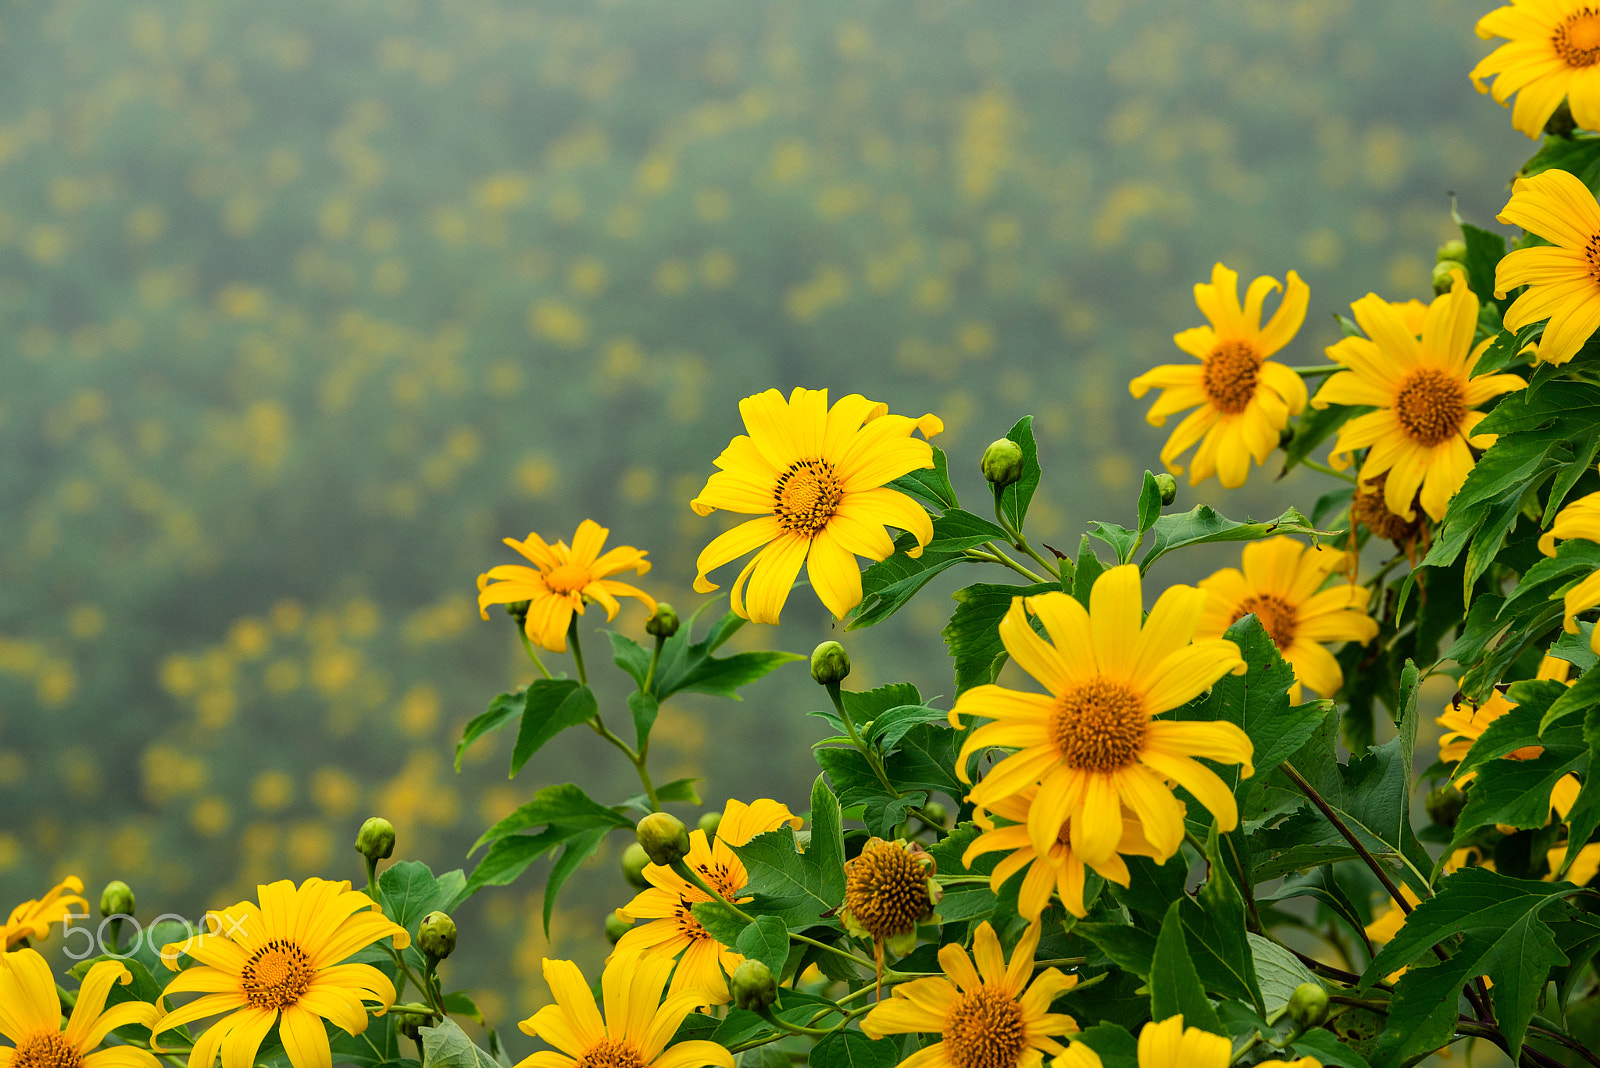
(817, 477)
(1580, 519)
(1563, 277)
(1167, 1044)
(1092, 745)
(1244, 400)
(30, 1016)
(637, 1026)
(1280, 584)
(988, 1016)
(1424, 393)
(32, 919)
(561, 580)
(1465, 723)
(1551, 50)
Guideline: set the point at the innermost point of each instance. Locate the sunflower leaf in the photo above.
(766, 940)
(1015, 498)
(447, 1046)
(550, 707)
(1174, 984)
(1485, 249)
(930, 485)
(887, 585)
(563, 805)
(852, 1049)
(1202, 525)
(1315, 426)
(502, 710)
(972, 635)
(827, 838)
(785, 882)
(1258, 700)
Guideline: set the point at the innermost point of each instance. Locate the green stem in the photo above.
(855, 738)
(1316, 372)
(527, 647)
(1018, 539)
(689, 875)
(766, 1013)
(1325, 469)
(577, 650)
(655, 658)
(990, 554)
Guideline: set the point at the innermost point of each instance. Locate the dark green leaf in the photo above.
(827, 839)
(1088, 569)
(1315, 426)
(551, 706)
(1149, 501)
(890, 726)
(852, 1049)
(1128, 948)
(1584, 448)
(1216, 927)
(1258, 700)
(930, 485)
(887, 585)
(1121, 540)
(1484, 252)
(1116, 1047)
(1202, 526)
(1174, 984)
(973, 635)
(502, 710)
(785, 882)
(565, 805)
(765, 940)
(688, 666)
(720, 921)
(1327, 1050)
(644, 708)
(447, 1046)
(1014, 499)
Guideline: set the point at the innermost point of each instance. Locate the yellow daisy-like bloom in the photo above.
(1580, 519)
(32, 919)
(674, 930)
(1093, 744)
(1423, 388)
(1169, 1044)
(1058, 868)
(560, 580)
(637, 1026)
(988, 1016)
(1466, 722)
(1551, 50)
(1563, 277)
(1585, 866)
(1280, 584)
(817, 478)
(279, 963)
(30, 1016)
(1244, 400)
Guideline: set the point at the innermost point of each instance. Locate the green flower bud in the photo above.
(376, 839)
(664, 837)
(518, 610)
(1168, 487)
(436, 937)
(1453, 250)
(116, 899)
(753, 986)
(616, 928)
(1561, 123)
(829, 664)
(1444, 805)
(1444, 276)
(634, 862)
(410, 1024)
(709, 822)
(1002, 463)
(937, 813)
(663, 622)
(1308, 1005)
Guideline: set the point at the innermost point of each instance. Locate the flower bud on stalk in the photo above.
(664, 837)
(1002, 463)
(634, 862)
(753, 986)
(663, 623)
(376, 839)
(1444, 276)
(830, 664)
(936, 813)
(616, 928)
(1308, 1006)
(709, 822)
(117, 899)
(1168, 487)
(1454, 250)
(436, 936)
(518, 610)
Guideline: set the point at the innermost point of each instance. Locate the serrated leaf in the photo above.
(827, 839)
(1174, 984)
(502, 710)
(887, 585)
(1203, 525)
(765, 940)
(688, 666)
(1216, 927)
(550, 706)
(1258, 700)
(447, 1046)
(892, 724)
(852, 1049)
(972, 636)
(785, 882)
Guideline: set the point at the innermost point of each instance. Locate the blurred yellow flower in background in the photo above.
(32, 919)
(1580, 519)
(1563, 278)
(1465, 723)
(1550, 50)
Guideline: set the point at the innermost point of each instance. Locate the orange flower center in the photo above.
(46, 1049)
(885, 889)
(806, 496)
(568, 578)
(984, 1030)
(1099, 725)
(1431, 406)
(1276, 614)
(1230, 376)
(1577, 39)
(1371, 510)
(277, 975)
(611, 1053)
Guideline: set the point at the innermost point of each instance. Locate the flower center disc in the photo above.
(47, 1049)
(806, 496)
(1577, 39)
(277, 975)
(611, 1053)
(885, 890)
(1431, 406)
(1230, 376)
(984, 1030)
(568, 578)
(1099, 725)
(1372, 511)
(1275, 614)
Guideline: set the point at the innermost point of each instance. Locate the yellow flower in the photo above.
(560, 580)
(1279, 585)
(1585, 866)
(1244, 399)
(1058, 868)
(1092, 744)
(32, 919)
(1552, 46)
(1424, 393)
(886, 891)
(1370, 509)
(637, 1026)
(1563, 277)
(30, 1016)
(987, 1016)
(279, 963)
(1580, 519)
(817, 478)
(673, 929)
(1167, 1044)
(1466, 722)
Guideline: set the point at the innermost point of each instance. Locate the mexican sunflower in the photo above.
(637, 1026)
(279, 963)
(1580, 519)
(986, 1016)
(1465, 722)
(817, 478)
(1550, 52)
(1279, 584)
(32, 919)
(1244, 399)
(1563, 277)
(1169, 1044)
(1092, 743)
(30, 1016)
(561, 580)
(672, 929)
(1424, 393)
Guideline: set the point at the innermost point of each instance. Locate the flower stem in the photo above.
(1325, 469)
(1316, 371)
(527, 647)
(655, 658)
(577, 650)
(850, 728)
(766, 1013)
(989, 554)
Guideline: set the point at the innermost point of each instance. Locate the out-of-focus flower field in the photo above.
(306, 304)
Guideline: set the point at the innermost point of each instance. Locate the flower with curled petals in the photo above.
(1093, 744)
(1563, 277)
(1551, 49)
(818, 479)
(1244, 399)
(32, 919)
(30, 1016)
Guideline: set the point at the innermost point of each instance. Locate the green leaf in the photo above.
(681, 790)
(460, 1003)
(1174, 984)
(564, 805)
(765, 940)
(1584, 448)
(688, 666)
(887, 585)
(1216, 927)
(1129, 948)
(1149, 502)
(720, 922)
(1516, 793)
(973, 635)
(1115, 1046)
(1258, 700)
(1422, 1011)
(551, 706)
(865, 705)
(1279, 972)
(1484, 252)
(827, 839)
(410, 891)
(1519, 726)
(892, 725)
(1581, 696)
(447, 1046)
(502, 710)
(1014, 499)
(1578, 155)
(574, 851)
(852, 1049)
(1315, 426)
(1203, 526)
(930, 486)
(1088, 569)
(1120, 539)
(644, 707)
(785, 882)
(1328, 1050)
(509, 857)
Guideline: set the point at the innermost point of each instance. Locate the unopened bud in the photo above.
(1453, 250)
(634, 862)
(376, 839)
(1308, 1005)
(830, 664)
(116, 899)
(1444, 805)
(1168, 487)
(753, 986)
(1444, 276)
(1002, 463)
(436, 937)
(936, 813)
(409, 1024)
(663, 622)
(518, 610)
(1561, 123)
(709, 822)
(616, 928)
(664, 837)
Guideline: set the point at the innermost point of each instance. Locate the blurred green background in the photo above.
(306, 304)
